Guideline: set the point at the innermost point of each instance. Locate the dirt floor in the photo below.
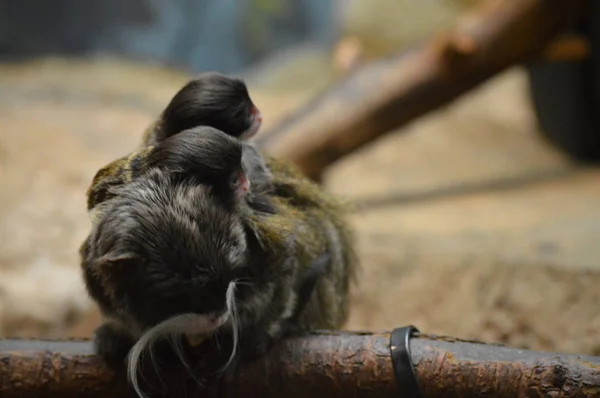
(468, 224)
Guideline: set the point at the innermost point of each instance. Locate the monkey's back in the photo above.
(316, 220)
(122, 170)
(114, 175)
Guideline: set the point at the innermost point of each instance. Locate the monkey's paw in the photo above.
(112, 345)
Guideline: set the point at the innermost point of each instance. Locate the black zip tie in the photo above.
(406, 378)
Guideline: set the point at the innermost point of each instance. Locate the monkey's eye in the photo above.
(234, 179)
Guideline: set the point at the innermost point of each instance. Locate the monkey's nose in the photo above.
(257, 115)
(244, 183)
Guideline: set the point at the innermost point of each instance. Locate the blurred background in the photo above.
(472, 225)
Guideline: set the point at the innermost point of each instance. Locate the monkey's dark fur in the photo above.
(169, 242)
(164, 221)
(211, 99)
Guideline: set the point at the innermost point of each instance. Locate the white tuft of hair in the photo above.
(183, 324)
(233, 318)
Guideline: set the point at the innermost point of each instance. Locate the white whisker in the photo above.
(155, 365)
(179, 324)
(217, 339)
(231, 314)
(248, 283)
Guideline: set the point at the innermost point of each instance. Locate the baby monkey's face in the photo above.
(239, 184)
(254, 123)
(205, 156)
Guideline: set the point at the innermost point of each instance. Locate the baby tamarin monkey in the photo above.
(177, 251)
(211, 99)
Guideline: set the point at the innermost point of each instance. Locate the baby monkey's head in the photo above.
(215, 100)
(203, 155)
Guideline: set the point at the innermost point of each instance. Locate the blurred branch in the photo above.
(321, 365)
(567, 47)
(390, 93)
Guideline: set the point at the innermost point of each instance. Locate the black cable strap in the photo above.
(402, 362)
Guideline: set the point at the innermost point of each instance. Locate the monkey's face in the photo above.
(168, 248)
(255, 121)
(239, 184)
(212, 100)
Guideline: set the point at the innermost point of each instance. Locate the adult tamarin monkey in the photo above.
(290, 226)
(178, 252)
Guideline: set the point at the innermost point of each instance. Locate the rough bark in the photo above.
(321, 365)
(387, 94)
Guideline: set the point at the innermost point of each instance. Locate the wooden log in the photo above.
(337, 364)
(390, 93)
(348, 53)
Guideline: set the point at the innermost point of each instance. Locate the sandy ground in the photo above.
(512, 265)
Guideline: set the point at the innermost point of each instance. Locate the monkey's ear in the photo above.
(118, 259)
(118, 264)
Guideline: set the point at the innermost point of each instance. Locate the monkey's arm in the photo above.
(112, 344)
(317, 269)
(257, 341)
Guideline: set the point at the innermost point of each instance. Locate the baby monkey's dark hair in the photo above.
(211, 99)
(204, 154)
(202, 150)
